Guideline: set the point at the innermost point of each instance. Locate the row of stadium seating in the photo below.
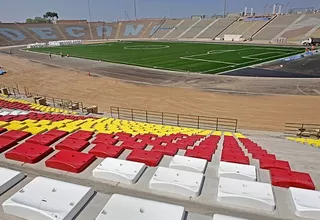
(308, 141)
(292, 27)
(157, 161)
(70, 152)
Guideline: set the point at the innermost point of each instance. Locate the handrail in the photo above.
(302, 130)
(173, 119)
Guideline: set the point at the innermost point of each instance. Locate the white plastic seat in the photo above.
(44, 199)
(237, 171)
(225, 217)
(117, 170)
(246, 193)
(177, 181)
(9, 178)
(4, 113)
(306, 202)
(121, 207)
(188, 164)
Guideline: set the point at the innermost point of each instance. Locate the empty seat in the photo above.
(5, 144)
(248, 194)
(28, 153)
(288, 178)
(72, 144)
(237, 171)
(9, 178)
(44, 197)
(106, 150)
(120, 207)
(188, 164)
(70, 161)
(270, 163)
(150, 158)
(175, 181)
(117, 170)
(306, 202)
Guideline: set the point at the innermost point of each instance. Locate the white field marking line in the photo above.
(225, 67)
(146, 47)
(251, 57)
(208, 61)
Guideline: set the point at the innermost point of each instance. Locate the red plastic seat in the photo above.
(264, 156)
(150, 158)
(288, 178)
(166, 150)
(106, 136)
(81, 135)
(105, 150)
(43, 139)
(104, 140)
(16, 135)
(133, 145)
(2, 130)
(235, 158)
(278, 164)
(5, 144)
(28, 153)
(181, 146)
(72, 144)
(57, 133)
(70, 161)
(199, 153)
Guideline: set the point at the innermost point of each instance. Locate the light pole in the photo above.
(89, 10)
(265, 9)
(135, 9)
(225, 8)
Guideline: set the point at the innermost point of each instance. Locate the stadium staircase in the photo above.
(225, 29)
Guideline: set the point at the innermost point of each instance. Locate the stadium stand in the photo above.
(195, 30)
(276, 26)
(152, 28)
(76, 32)
(219, 26)
(166, 27)
(181, 28)
(316, 33)
(133, 29)
(303, 29)
(244, 28)
(75, 155)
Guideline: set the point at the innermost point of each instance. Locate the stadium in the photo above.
(193, 118)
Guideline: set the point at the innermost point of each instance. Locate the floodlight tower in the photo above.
(225, 8)
(89, 10)
(135, 9)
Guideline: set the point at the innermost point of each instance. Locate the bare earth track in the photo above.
(258, 103)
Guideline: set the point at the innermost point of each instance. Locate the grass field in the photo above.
(189, 57)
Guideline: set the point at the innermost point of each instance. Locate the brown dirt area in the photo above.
(261, 112)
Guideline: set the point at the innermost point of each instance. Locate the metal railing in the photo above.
(55, 102)
(180, 120)
(302, 130)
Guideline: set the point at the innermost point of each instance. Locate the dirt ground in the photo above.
(263, 112)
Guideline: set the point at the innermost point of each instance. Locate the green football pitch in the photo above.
(188, 57)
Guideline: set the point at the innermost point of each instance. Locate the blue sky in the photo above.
(110, 10)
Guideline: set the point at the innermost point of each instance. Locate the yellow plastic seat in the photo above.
(227, 134)
(35, 130)
(88, 129)
(69, 129)
(16, 127)
(217, 133)
(3, 124)
(44, 122)
(30, 121)
(17, 122)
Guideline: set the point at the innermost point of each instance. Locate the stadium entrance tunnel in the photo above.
(146, 47)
